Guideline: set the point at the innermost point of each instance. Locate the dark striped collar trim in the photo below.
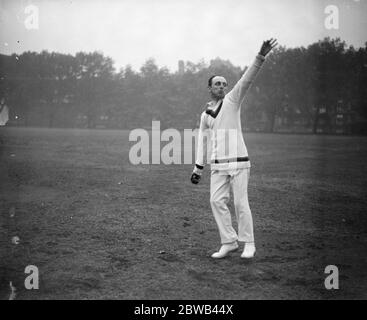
(214, 113)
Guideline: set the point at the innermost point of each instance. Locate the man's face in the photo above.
(218, 89)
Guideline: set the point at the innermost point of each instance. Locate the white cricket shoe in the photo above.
(249, 250)
(225, 249)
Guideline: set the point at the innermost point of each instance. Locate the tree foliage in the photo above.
(305, 88)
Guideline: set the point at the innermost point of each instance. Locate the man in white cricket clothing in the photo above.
(230, 164)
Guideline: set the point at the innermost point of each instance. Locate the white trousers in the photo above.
(220, 184)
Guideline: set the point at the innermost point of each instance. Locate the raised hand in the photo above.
(267, 46)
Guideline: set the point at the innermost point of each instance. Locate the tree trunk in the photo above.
(51, 118)
(316, 120)
(272, 118)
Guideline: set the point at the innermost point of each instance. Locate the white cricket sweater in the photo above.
(223, 119)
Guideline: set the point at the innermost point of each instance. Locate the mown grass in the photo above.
(98, 227)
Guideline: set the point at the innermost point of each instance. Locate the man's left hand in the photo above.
(268, 46)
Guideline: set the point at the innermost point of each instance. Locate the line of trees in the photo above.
(321, 88)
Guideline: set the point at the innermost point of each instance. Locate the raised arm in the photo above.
(237, 94)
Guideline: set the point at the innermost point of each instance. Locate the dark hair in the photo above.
(210, 80)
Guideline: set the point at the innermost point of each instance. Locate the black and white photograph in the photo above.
(166, 150)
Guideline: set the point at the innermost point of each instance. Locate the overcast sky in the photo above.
(131, 31)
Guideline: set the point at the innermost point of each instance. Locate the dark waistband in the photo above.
(238, 159)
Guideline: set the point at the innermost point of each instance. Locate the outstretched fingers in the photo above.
(273, 42)
(268, 45)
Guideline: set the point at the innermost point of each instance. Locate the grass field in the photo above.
(98, 227)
